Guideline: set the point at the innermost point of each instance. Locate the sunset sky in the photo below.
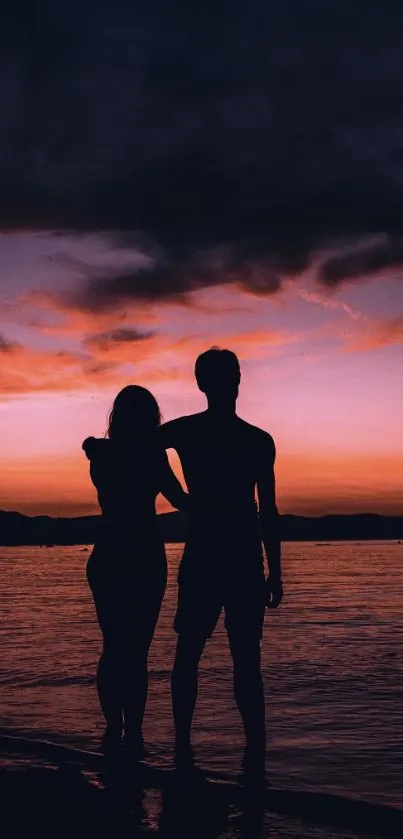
(172, 181)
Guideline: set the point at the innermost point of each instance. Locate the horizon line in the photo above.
(171, 512)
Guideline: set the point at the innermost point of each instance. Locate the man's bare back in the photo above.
(223, 460)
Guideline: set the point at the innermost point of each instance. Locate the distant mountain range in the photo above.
(17, 529)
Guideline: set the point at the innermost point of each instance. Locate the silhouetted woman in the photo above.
(127, 568)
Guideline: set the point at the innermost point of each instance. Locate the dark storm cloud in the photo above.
(173, 277)
(261, 129)
(124, 335)
(361, 262)
(6, 346)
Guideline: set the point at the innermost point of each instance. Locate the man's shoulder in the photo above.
(258, 436)
(173, 429)
(182, 422)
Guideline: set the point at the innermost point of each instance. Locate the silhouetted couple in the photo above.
(224, 461)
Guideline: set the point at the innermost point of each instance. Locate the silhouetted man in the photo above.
(224, 460)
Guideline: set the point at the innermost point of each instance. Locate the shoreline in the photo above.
(315, 543)
(92, 802)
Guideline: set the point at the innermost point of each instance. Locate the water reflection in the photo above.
(120, 802)
(180, 810)
(332, 666)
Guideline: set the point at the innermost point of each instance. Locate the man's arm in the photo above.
(168, 434)
(269, 519)
(89, 446)
(171, 487)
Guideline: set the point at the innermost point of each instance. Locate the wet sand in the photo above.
(49, 788)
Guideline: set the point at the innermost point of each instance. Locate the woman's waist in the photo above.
(131, 557)
(133, 532)
(127, 509)
(142, 519)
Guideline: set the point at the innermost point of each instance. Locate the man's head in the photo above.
(218, 374)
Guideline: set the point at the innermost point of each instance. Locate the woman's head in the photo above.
(134, 411)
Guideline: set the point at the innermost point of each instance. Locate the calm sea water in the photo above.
(332, 663)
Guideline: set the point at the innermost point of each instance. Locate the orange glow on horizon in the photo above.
(319, 372)
(61, 485)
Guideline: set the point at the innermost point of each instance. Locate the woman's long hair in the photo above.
(135, 415)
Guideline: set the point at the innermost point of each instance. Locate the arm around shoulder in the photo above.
(168, 434)
(93, 446)
(88, 446)
(171, 487)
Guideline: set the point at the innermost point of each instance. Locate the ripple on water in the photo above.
(332, 666)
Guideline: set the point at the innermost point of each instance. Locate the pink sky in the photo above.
(321, 372)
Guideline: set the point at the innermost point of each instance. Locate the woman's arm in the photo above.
(171, 487)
